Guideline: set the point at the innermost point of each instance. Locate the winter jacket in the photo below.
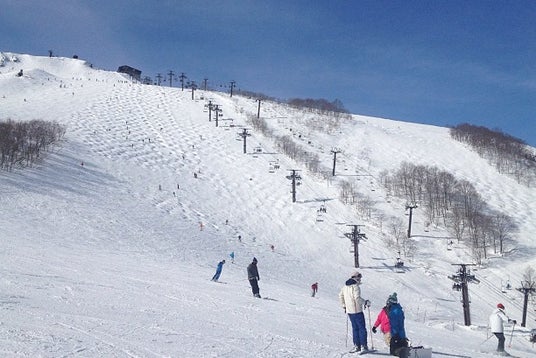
(350, 297)
(396, 320)
(253, 273)
(383, 321)
(497, 320)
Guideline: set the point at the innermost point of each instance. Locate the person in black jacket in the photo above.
(253, 277)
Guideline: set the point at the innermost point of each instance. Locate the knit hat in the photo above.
(392, 299)
(500, 306)
(356, 274)
(255, 259)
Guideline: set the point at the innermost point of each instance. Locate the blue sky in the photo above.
(437, 62)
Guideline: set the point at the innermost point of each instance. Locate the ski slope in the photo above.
(110, 242)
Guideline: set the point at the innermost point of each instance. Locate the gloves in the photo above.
(367, 303)
(344, 308)
(514, 321)
(374, 329)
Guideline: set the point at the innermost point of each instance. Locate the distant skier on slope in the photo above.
(253, 277)
(496, 322)
(216, 276)
(314, 289)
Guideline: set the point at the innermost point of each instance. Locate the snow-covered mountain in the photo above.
(110, 242)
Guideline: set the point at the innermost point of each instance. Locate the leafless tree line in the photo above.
(21, 143)
(321, 105)
(455, 204)
(506, 153)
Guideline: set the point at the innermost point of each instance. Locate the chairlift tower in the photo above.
(258, 108)
(355, 237)
(193, 86)
(461, 278)
(527, 288)
(171, 75)
(232, 85)
(295, 179)
(159, 78)
(182, 77)
(410, 207)
(244, 134)
(334, 151)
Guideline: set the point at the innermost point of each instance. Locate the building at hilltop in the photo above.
(133, 72)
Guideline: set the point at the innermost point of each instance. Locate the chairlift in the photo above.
(532, 338)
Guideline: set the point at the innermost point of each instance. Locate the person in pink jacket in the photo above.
(382, 321)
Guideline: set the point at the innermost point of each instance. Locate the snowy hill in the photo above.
(109, 244)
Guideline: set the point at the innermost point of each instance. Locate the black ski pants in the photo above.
(500, 345)
(254, 286)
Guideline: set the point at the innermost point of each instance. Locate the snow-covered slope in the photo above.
(109, 244)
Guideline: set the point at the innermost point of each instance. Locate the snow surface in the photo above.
(109, 244)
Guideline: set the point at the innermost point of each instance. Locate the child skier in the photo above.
(382, 321)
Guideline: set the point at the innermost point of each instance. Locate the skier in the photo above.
(399, 342)
(232, 257)
(253, 277)
(351, 301)
(314, 289)
(382, 321)
(216, 276)
(496, 323)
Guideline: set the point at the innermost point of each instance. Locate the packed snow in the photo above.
(109, 243)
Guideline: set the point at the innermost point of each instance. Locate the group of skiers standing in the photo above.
(390, 319)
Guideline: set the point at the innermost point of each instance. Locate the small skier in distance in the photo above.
(253, 277)
(216, 276)
(314, 289)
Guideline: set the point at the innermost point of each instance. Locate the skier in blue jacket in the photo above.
(399, 341)
(216, 276)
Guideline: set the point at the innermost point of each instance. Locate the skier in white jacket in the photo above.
(351, 301)
(496, 323)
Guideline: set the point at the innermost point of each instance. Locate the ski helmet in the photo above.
(500, 306)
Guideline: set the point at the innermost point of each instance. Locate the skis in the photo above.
(369, 351)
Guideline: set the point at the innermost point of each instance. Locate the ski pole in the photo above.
(370, 327)
(511, 335)
(346, 329)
